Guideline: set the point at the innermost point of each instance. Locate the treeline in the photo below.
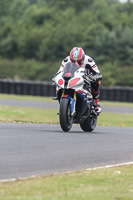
(35, 35)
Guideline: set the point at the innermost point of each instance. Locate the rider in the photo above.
(78, 56)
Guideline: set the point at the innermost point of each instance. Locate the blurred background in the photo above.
(36, 35)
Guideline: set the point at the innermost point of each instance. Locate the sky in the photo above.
(123, 1)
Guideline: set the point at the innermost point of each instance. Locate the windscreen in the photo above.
(69, 69)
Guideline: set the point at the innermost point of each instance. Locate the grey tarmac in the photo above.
(39, 149)
(39, 104)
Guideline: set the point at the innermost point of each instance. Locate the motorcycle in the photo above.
(75, 98)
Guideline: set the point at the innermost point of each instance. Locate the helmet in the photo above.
(77, 54)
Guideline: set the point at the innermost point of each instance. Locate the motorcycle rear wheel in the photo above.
(89, 124)
(66, 120)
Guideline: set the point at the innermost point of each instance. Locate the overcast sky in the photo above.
(123, 1)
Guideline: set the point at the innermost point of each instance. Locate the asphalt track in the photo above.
(35, 149)
(39, 104)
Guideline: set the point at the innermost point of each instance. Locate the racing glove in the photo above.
(89, 78)
(92, 78)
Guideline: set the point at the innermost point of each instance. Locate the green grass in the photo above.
(28, 115)
(49, 116)
(115, 119)
(101, 184)
(113, 103)
(25, 97)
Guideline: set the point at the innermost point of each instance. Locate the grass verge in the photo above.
(49, 116)
(28, 115)
(101, 184)
(113, 103)
(25, 97)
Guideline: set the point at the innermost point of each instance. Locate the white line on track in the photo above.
(93, 168)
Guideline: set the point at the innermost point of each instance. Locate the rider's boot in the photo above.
(96, 94)
(56, 97)
(98, 108)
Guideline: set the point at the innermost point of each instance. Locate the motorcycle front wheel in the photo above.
(66, 120)
(89, 124)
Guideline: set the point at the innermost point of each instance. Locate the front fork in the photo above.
(72, 102)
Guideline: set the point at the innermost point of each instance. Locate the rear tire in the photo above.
(89, 124)
(66, 120)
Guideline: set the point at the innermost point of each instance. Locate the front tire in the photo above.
(89, 124)
(65, 117)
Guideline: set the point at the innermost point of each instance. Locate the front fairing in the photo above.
(58, 78)
(69, 73)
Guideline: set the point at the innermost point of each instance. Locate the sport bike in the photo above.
(75, 98)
